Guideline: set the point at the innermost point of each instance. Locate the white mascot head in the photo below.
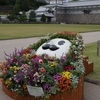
(56, 47)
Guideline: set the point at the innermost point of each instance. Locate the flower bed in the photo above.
(76, 94)
(49, 76)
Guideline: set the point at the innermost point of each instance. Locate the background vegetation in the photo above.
(24, 5)
(91, 52)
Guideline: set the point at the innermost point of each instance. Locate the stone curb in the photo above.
(97, 82)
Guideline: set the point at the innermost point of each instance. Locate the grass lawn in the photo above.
(8, 31)
(91, 51)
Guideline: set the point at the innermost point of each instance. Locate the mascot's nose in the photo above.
(51, 47)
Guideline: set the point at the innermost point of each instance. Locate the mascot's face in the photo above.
(56, 47)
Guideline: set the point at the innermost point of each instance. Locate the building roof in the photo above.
(49, 15)
(82, 3)
(76, 4)
(40, 9)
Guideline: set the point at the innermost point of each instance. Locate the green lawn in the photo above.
(8, 31)
(91, 52)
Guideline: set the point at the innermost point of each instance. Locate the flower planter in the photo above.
(88, 65)
(76, 94)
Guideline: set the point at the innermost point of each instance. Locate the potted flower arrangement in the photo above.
(29, 74)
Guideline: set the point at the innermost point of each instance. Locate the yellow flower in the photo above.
(52, 63)
(10, 67)
(66, 74)
(15, 67)
(15, 71)
(8, 82)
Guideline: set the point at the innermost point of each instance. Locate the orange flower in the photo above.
(1, 79)
(42, 70)
(5, 62)
(24, 86)
(64, 84)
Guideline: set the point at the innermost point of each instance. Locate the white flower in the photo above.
(75, 52)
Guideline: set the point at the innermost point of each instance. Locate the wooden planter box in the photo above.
(88, 65)
(76, 94)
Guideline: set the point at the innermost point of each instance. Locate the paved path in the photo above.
(91, 91)
(90, 37)
(9, 45)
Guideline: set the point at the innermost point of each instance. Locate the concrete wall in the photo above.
(79, 18)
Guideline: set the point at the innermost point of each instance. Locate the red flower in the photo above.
(34, 56)
(67, 32)
(68, 67)
(14, 60)
(27, 50)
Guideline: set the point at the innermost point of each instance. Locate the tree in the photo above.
(32, 16)
(0, 18)
(16, 9)
(43, 18)
(24, 4)
(12, 2)
(11, 16)
(22, 17)
(4, 2)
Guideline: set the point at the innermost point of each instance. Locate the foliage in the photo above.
(24, 4)
(11, 16)
(4, 2)
(22, 17)
(32, 17)
(53, 75)
(0, 18)
(39, 3)
(16, 9)
(43, 18)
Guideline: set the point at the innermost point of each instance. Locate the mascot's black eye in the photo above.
(61, 42)
(46, 46)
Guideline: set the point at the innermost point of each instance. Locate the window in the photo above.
(86, 11)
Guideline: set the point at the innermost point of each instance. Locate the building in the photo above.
(48, 12)
(69, 11)
(82, 11)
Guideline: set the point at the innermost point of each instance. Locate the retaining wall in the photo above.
(79, 18)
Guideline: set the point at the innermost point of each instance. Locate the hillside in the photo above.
(5, 8)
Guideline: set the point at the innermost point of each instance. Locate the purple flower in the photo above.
(16, 79)
(46, 86)
(63, 57)
(57, 76)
